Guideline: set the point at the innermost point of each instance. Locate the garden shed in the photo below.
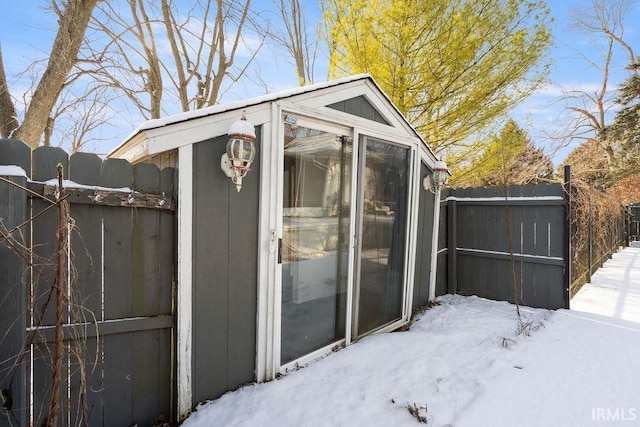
(328, 238)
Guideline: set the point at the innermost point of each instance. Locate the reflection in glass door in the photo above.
(384, 193)
(315, 230)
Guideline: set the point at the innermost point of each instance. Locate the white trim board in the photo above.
(185, 283)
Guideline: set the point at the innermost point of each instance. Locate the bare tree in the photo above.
(603, 23)
(296, 40)
(160, 57)
(78, 117)
(73, 19)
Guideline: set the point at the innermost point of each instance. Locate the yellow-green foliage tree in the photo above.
(452, 67)
(510, 158)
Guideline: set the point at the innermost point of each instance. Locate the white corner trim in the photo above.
(185, 283)
(412, 236)
(268, 239)
(434, 247)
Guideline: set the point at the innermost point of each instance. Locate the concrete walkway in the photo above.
(614, 290)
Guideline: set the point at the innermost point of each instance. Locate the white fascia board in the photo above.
(366, 127)
(380, 101)
(352, 90)
(133, 150)
(428, 156)
(193, 131)
(330, 95)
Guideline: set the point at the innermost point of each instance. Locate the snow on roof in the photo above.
(221, 108)
(238, 105)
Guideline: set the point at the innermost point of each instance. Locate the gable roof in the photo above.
(146, 139)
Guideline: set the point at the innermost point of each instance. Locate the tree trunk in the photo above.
(73, 22)
(8, 120)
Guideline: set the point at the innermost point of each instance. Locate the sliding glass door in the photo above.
(325, 298)
(315, 222)
(384, 190)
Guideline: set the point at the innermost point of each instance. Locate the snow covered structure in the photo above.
(329, 239)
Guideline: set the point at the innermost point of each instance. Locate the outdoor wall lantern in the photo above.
(438, 179)
(241, 151)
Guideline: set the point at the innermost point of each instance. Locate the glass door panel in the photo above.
(384, 192)
(315, 237)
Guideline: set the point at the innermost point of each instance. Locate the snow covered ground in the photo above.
(463, 363)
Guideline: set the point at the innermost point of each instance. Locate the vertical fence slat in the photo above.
(567, 251)
(44, 244)
(45, 161)
(14, 152)
(117, 271)
(13, 300)
(86, 247)
(146, 245)
(118, 391)
(147, 290)
(117, 243)
(167, 255)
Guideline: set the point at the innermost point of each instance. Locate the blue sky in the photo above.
(27, 32)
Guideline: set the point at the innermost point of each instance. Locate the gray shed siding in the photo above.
(423, 245)
(225, 273)
(359, 106)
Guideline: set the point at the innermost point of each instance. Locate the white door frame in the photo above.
(270, 230)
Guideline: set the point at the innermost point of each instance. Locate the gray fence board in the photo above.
(15, 152)
(13, 300)
(143, 379)
(145, 250)
(41, 389)
(44, 247)
(86, 237)
(117, 173)
(118, 367)
(44, 162)
(84, 168)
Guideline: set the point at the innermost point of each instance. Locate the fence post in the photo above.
(13, 304)
(568, 214)
(590, 242)
(627, 225)
(452, 244)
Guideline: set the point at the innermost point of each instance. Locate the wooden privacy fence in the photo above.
(533, 244)
(509, 248)
(119, 318)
